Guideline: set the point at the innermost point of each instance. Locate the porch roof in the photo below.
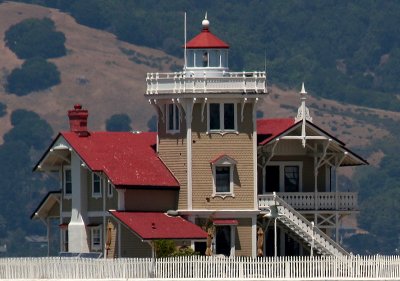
(270, 130)
(44, 208)
(154, 225)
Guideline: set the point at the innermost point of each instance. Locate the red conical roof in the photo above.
(206, 40)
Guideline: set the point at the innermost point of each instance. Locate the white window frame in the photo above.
(282, 165)
(221, 118)
(175, 123)
(110, 188)
(96, 194)
(224, 161)
(94, 230)
(64, 177)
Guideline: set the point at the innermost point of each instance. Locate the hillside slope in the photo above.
(96, 72)
(99, 72)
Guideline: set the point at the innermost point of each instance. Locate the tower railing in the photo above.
(212, 82)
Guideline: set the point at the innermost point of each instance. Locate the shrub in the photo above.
(34, 75)
(35, 38)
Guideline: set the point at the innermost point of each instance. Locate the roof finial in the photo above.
(303, 112)
(303, 92)
(205, 22)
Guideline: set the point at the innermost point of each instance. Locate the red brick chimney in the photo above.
(78, 120)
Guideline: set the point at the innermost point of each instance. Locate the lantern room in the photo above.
(206, 53)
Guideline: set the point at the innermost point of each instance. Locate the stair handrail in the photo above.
(282, 202)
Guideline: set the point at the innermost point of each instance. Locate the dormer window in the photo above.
(223, 168)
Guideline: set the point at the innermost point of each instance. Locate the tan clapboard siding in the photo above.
(151, 200)
(208, 147)
(132, 246)
(173, 152)
(243, 238)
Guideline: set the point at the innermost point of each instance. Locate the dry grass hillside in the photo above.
(107, 76)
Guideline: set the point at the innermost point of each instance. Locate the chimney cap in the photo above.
(77, 106)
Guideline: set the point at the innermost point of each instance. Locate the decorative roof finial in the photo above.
(303, 92)
(303, 112)
(205, 22)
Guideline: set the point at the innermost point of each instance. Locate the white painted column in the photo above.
(189, 110)
(254, 236)
(77, 235)
(255, 180)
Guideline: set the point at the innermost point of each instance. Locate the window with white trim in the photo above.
(283, 177)
(96, 185)
(222, 117)
(67, 181)
(172, 113)
(95, 237)
(110, 189)
(222, 170)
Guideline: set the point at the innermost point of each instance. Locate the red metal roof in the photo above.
(268, 129)
(151, 226)
(127, 159)
(206, 40)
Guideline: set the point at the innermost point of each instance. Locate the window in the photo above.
(283, 177)
(67, 181)
(291, 178)
(172, 118)
(222, 179)
(223, 168)
(95, 238)
(109, 189)
(96, 185)
(222, 117)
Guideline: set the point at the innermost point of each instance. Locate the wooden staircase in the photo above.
(277, 208)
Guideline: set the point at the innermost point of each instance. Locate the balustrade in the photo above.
(346, 201)
(184, 82)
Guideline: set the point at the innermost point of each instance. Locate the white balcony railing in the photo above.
(332, 201)
(184, 82)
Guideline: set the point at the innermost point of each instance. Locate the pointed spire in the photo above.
(303, 90)
(303, 112)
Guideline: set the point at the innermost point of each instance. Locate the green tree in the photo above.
(34, 75)
(29, 128)
(35, 38)
(118, 123)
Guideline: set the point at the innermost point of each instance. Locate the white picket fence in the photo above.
(204, 268)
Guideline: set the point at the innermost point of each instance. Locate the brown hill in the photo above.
(107, 76)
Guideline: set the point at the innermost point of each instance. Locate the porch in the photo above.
(204, 268)
(315, 201)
